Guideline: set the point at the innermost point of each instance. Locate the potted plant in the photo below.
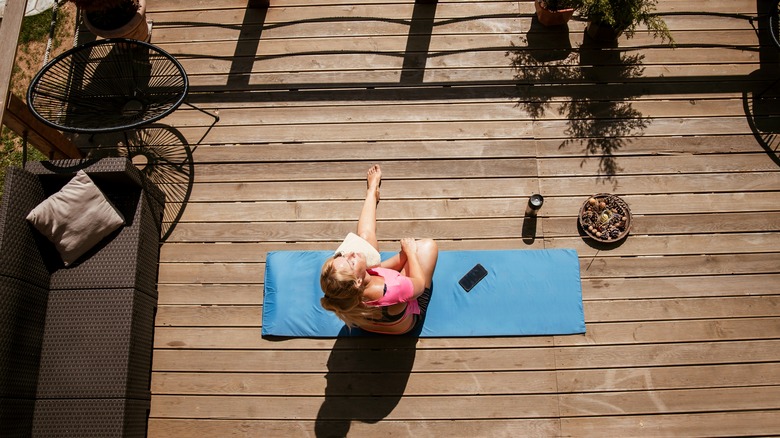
(608, 19)
(115, 18)
(555, 12)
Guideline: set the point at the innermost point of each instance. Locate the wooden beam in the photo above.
(18, 117)
(13, 111)
(9, 36)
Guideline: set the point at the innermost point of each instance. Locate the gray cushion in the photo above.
(76, 218)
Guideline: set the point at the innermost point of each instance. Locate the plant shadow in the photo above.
(590, 86)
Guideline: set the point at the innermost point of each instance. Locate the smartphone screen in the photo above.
(477, 273)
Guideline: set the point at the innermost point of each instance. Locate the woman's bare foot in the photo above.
(374, 179)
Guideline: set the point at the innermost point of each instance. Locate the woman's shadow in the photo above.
(367, 376)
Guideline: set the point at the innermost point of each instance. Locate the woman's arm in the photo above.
(395, 262)
(413, 270)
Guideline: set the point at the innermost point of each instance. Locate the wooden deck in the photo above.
(470, 108)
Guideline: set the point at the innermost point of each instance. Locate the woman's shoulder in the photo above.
(375, 290)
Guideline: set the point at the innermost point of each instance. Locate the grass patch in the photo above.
(36, 27)
(11, 154)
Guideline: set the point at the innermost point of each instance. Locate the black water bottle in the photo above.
(534, 204)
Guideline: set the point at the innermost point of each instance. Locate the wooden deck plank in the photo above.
(354, 408)
(640, 245)
(665, 401)
(450, 360)
(649, 379)
(443, 130)
(525, 382)
(673, 330)
(265, 188)
(719, 166)
(487, 148)
(302, 428)
(245, 338)
(725, 425)
(257, 210)
(438, 46)
(464, 229)
(602, 334)
(502, 109)
(186, 293)
(750, 423)
(632, 310)
(312, 384)
(362, 37)
(592, 267)
(695, 353)
(483, 58)
(688, 286)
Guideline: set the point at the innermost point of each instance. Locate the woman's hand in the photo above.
(409, 246)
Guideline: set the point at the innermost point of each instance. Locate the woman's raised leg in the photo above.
(427, 255)
(366, 227)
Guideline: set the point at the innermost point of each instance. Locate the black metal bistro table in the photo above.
(107, 86)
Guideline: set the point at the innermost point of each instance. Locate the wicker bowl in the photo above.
(605, 217)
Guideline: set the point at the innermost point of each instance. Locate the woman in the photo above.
(390, 298)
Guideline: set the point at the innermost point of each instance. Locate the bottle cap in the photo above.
(536, 201)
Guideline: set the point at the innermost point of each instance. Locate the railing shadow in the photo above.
(366, 379)
(420, 27)
(410, 84)
(243, 58)
(418, 43)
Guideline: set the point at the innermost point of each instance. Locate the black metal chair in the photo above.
(107, 86)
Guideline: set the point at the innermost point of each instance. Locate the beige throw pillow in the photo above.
(76, 218)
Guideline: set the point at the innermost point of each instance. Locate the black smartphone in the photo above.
(477, 273)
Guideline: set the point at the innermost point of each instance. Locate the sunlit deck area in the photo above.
(470, 107)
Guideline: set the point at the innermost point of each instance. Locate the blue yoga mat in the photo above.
(526, 292)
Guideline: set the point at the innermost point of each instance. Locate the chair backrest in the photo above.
(107, 85)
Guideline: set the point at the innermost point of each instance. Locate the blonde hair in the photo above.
(344, 297)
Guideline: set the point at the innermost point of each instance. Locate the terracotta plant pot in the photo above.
(552, 18)
(137, 28)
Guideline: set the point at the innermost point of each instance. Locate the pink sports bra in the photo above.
(398, 289)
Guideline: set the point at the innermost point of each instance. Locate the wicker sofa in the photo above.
(76, 341)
